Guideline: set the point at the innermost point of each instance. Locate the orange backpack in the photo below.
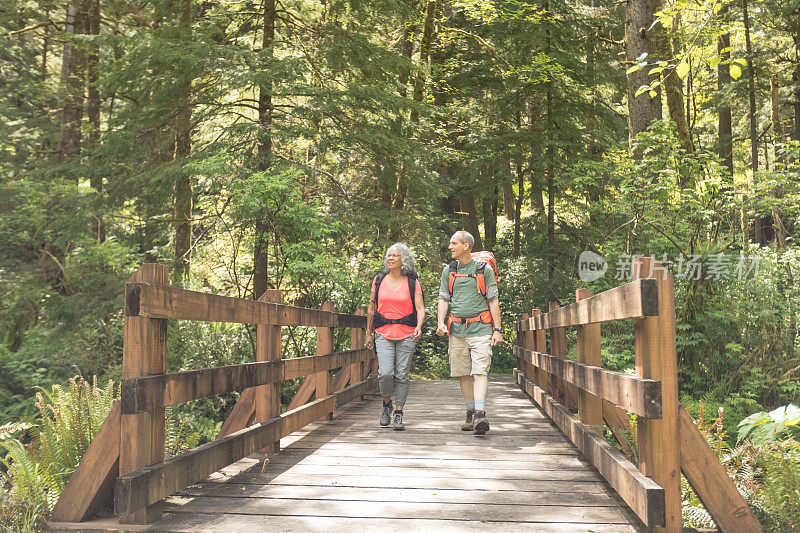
(482, 259)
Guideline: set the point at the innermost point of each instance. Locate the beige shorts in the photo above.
(470, 355)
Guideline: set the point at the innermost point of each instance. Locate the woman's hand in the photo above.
(370, 340)
(417, 333)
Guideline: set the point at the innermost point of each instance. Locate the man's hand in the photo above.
(441, 330)
(417, 333)
(370, 340)
(497, 338)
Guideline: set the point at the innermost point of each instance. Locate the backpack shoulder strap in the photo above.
(452, 276)
(480, 277)
(378, 280)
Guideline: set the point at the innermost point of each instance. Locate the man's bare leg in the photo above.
(480, 388)
(468, 388)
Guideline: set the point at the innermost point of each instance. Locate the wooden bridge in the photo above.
(325, 465)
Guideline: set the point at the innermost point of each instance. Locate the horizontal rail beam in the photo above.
(148, 485)
(151, 392)
(643, 495)
(152, 301)
(633, 300)
(632, 393)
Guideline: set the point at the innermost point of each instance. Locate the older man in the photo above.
(469, 289)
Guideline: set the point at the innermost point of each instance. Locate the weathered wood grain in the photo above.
(140, 488)
(644, 496)
(241, 415)
(324, 379)
(711, 482)
(656, 357)
(268, 349)
(632, 393)
(152, 301)
(632, 300)
(146, 393)
(144, 352)
(590, 406)
(92, 483)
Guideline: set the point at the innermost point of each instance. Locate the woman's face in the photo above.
(393, 259)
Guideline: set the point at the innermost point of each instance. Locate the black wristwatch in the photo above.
(498, 330)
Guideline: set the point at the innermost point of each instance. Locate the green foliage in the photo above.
(763, 427)
(36, 472)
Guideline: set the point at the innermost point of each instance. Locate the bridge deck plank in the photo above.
(350, 474)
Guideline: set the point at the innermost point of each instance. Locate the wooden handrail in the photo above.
(148, 485)
(633, 300)
(643, 495)
(153, 301)
(137, 428)
(638, 395)
(146, 393)
(667, 440)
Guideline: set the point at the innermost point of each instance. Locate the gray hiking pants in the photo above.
(394, 364)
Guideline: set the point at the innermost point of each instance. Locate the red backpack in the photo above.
(482, 259)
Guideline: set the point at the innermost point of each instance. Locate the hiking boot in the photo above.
(386, 414)
(398, 421)
(481, 424)
(469, 425)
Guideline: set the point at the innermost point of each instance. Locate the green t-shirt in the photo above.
(467, 301)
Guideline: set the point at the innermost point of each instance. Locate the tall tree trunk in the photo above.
(261, 248)
(673, 88)
(419, 84)
(725, 123)
(489, 205)
(759, 221)
(470, 210)
(639, 40)
(508, 198)
(518, 210)
(548, 168)
(424, 54)
(397, 202)
(183, 140)
(73, 82)
(796, 79)
(45, 49)
(778, 192)
(93, 110)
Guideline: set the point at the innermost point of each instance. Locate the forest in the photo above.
(285, 144)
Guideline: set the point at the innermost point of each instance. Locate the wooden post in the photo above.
(144, 352)
(527, 341)
(540, 345)
(656, 358)
(521, 336)
(590, 407)
(324, 379)
(558, 347)
(268, 348)
(357, 338)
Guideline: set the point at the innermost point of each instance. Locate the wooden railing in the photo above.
(126, 457)
(667, 440)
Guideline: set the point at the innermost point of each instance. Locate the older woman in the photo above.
(394, 322)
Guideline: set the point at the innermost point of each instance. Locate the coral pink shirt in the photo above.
(395, 303)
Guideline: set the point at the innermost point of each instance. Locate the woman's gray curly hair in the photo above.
(408, 263)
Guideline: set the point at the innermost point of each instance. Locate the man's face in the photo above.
(457, 248)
